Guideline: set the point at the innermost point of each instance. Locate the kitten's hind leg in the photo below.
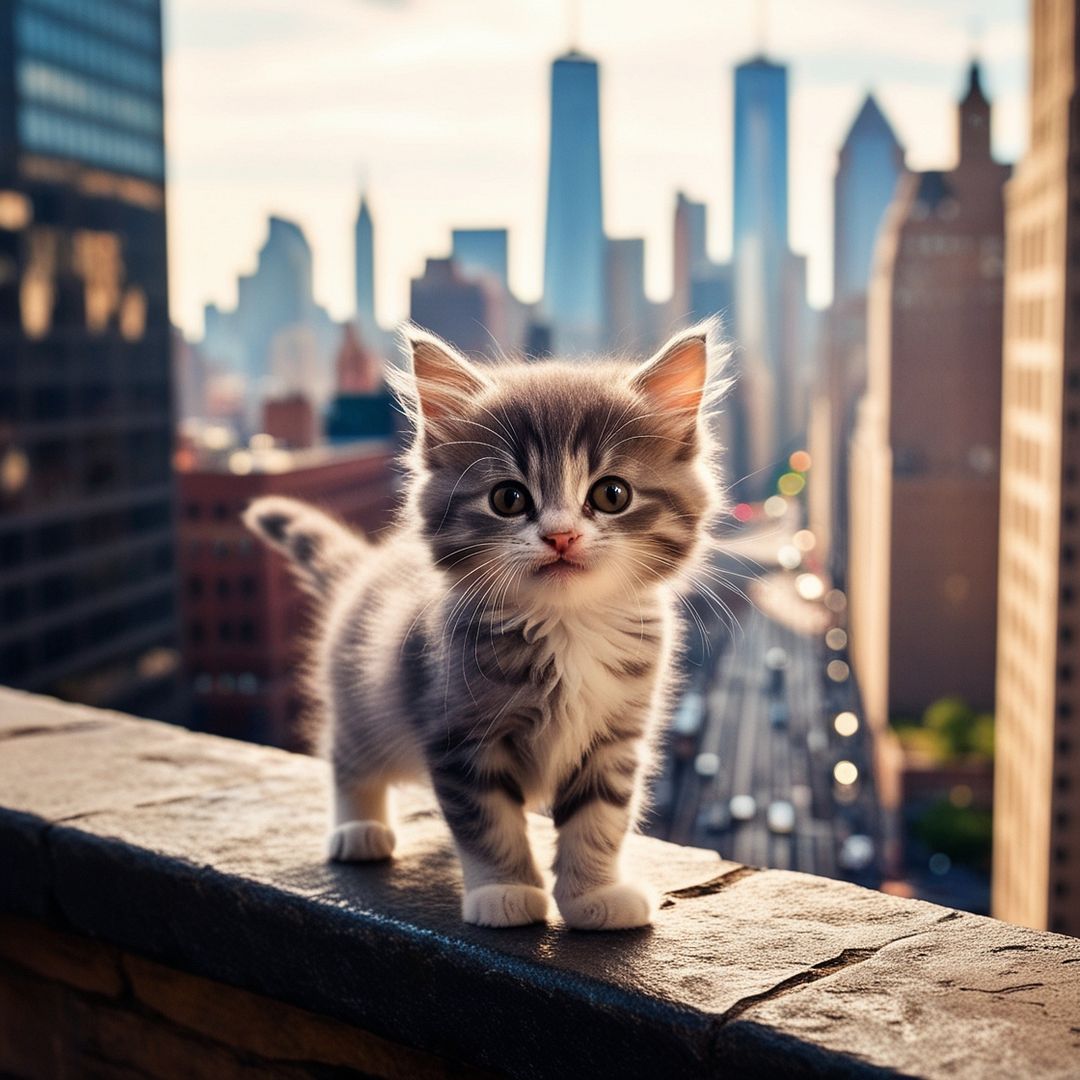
(362, 831)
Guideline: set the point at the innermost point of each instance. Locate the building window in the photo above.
(247, 586)
(196, 633)
(195, 587)
(225, 631)
(223, 588)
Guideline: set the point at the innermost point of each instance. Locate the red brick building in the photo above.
(244, 619)
(290, 420)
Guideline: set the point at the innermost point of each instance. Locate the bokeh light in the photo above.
(809, 586)
(788, 557)
(838, 671)
(799, 461)
(846, 723)
(940, 864)
(742, 512)
(707, 764)
(845, 772)
(775, 506)
(790, 484)
(835, 600)
(836, 638)
(804, 540)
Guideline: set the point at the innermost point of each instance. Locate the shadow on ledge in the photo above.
(169, 911)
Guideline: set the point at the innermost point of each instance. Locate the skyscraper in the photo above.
(87, 578)
(469, 312)
(482, 251)
(689, 254)
(765, 316)
(274, 304)
(1037, 767)
(574, 249)
(870, 163)
(629, 314)
(364, 253)
(924, 480)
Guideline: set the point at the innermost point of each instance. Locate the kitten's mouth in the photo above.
(560, 567)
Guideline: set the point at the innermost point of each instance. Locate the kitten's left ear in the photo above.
(675, 377)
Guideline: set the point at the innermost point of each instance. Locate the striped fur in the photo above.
(447, 653)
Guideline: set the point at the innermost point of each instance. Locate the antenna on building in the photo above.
(363, 177)
(573, 24)
(762, 26)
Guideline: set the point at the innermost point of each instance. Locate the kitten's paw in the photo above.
(504, 905)
(360, 841)
(614, 907)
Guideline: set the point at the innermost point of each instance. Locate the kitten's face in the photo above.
(562, 483)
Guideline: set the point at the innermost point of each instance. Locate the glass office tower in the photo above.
(87, 582)
(574, 252)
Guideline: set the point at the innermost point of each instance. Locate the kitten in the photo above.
(514, 639)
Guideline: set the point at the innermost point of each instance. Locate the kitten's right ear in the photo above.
(444, 381)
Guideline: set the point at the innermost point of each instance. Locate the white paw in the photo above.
(614, 907)
(360, 841)
(504, 905)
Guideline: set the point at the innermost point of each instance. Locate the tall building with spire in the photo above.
(870, 163)
(364, 261)
(769, 282)
(924, 470)
(1036, 876)
(574, 246)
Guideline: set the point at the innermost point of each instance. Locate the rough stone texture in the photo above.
(206, 855)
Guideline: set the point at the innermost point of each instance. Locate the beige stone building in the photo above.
(1037, 783)
(924, 456)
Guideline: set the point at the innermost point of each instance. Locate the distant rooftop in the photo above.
(274, 460)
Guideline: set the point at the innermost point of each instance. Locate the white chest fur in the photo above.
(591, 652)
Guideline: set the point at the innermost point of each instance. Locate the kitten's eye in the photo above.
(610, 495)
(509, 499)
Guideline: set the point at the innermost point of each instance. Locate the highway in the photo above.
(756, 720)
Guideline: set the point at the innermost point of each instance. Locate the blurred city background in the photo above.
(214, 216)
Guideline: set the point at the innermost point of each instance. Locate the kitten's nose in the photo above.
(561, 541)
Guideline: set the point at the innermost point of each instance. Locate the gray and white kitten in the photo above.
(513, 639)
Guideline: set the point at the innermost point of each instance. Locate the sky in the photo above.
(440, 109)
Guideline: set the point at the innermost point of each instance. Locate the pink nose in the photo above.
(561, 541)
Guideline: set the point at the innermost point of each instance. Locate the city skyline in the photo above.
(655, 109)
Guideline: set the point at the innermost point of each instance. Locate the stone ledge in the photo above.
(205, 855)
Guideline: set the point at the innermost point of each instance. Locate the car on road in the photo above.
(778, 715)
(856, 852)
(743, 807)
(780, 817)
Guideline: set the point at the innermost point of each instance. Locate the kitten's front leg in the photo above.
(592, 811)
(484, 807)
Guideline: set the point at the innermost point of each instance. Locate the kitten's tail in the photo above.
(320, 549)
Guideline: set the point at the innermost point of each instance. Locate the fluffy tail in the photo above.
(320, 549)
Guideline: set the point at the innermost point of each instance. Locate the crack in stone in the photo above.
(1002, 989)
(845, 959)
(714, 885)
(51, 729)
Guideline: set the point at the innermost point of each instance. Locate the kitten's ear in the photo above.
(675, 377)
(444, 381)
